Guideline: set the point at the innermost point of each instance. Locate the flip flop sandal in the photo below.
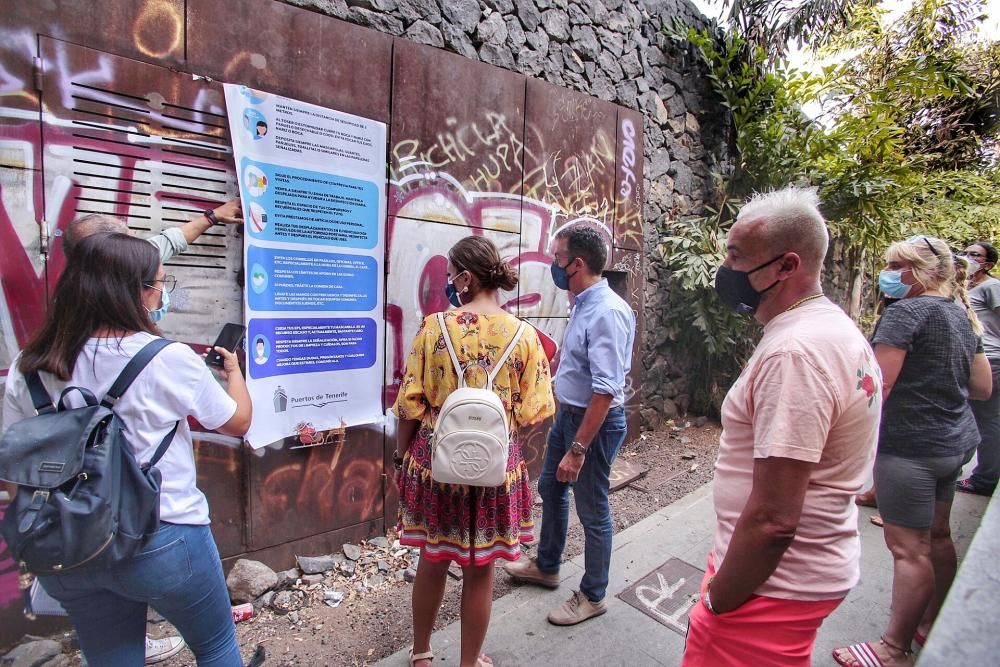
(863, 655)
(414, 657)
(877, 520)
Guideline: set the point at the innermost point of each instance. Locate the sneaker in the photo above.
(576, 610)
(158, 650)
(527, 571)
(967, 486)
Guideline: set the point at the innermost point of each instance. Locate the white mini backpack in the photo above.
(471, 440)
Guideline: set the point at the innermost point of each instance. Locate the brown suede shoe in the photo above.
(527, 571)
(576, 610)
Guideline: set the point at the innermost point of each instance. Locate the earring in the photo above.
(465, 289)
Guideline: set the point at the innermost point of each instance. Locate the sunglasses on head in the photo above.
(921, 237)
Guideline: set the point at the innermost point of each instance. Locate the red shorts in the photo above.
(763, 631)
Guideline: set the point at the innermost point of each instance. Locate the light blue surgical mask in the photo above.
(892, 285)
(157, 315)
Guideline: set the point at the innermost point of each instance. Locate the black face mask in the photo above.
(734, 288)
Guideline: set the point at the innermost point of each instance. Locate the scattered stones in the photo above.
(310, 579)
(348, 568)
(409, 575)
(316, 564)
(32, 654)
(249, 579)
(287, 577)
(379, 542)
(265, 600)
(285, 602)
(688, 455)
(352, 551)
(383, 566)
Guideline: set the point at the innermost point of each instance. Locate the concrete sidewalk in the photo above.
(520, 635)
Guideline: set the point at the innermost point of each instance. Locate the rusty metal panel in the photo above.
(628, 180)
(569, 178)
(150, 30)
(144, 29)
(457, 139)
(151, 147)
(22, 271)
(300, 491)
(221, 464)
(294, 52)
(416, 268)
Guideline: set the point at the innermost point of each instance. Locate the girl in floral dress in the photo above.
(472, 526)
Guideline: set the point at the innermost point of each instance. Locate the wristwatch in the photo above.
(707, 599)
(578, 449)
(210, 216)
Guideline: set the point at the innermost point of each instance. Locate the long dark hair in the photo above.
(101, 288)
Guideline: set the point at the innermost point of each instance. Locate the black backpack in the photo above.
(82, 498)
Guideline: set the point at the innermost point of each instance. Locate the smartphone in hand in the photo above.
(229, 338)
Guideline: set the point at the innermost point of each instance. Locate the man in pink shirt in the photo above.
(799, 428)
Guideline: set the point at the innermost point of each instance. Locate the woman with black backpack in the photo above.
(103, 313)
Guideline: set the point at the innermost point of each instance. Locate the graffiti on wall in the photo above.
(149, 144)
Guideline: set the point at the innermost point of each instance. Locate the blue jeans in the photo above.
(591, 493)
(987, 415)
(179, 573)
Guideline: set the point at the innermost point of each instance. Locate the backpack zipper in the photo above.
(59, 568)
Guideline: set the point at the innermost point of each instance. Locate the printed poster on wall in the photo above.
(312, 186)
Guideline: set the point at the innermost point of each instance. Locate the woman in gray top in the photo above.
(927, 346)
(984, 295)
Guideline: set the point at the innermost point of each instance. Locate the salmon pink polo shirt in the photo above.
(810, 392)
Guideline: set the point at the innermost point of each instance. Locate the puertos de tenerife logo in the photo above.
(282, 401)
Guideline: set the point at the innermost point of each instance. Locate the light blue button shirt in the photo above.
(597, 349)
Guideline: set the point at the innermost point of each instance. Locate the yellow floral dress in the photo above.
(469, 525)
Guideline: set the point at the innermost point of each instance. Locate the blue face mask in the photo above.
(892, 285)
(451, 292)
(157, 315)
(560, 276)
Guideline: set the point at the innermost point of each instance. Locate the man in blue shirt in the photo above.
(589, 427)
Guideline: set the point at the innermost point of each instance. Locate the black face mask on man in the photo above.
(734, 288)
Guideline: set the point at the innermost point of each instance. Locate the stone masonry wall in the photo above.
(614, 50)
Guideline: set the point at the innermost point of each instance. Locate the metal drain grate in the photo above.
(667, 593)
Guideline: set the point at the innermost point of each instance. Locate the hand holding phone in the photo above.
(229, 339)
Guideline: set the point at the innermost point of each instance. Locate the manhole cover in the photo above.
(667, 593)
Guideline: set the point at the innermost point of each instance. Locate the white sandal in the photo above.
(429, 655)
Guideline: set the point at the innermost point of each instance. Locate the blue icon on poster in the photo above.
(255, 124)
(258, 278)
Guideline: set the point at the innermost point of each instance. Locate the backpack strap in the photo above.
(161, 449)
(132, 370)
(40, 398)
(459, 369)
(506, 353)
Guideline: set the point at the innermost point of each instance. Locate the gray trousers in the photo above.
(987, 415)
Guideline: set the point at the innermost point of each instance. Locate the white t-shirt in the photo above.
(810, 392)
(176, 384)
